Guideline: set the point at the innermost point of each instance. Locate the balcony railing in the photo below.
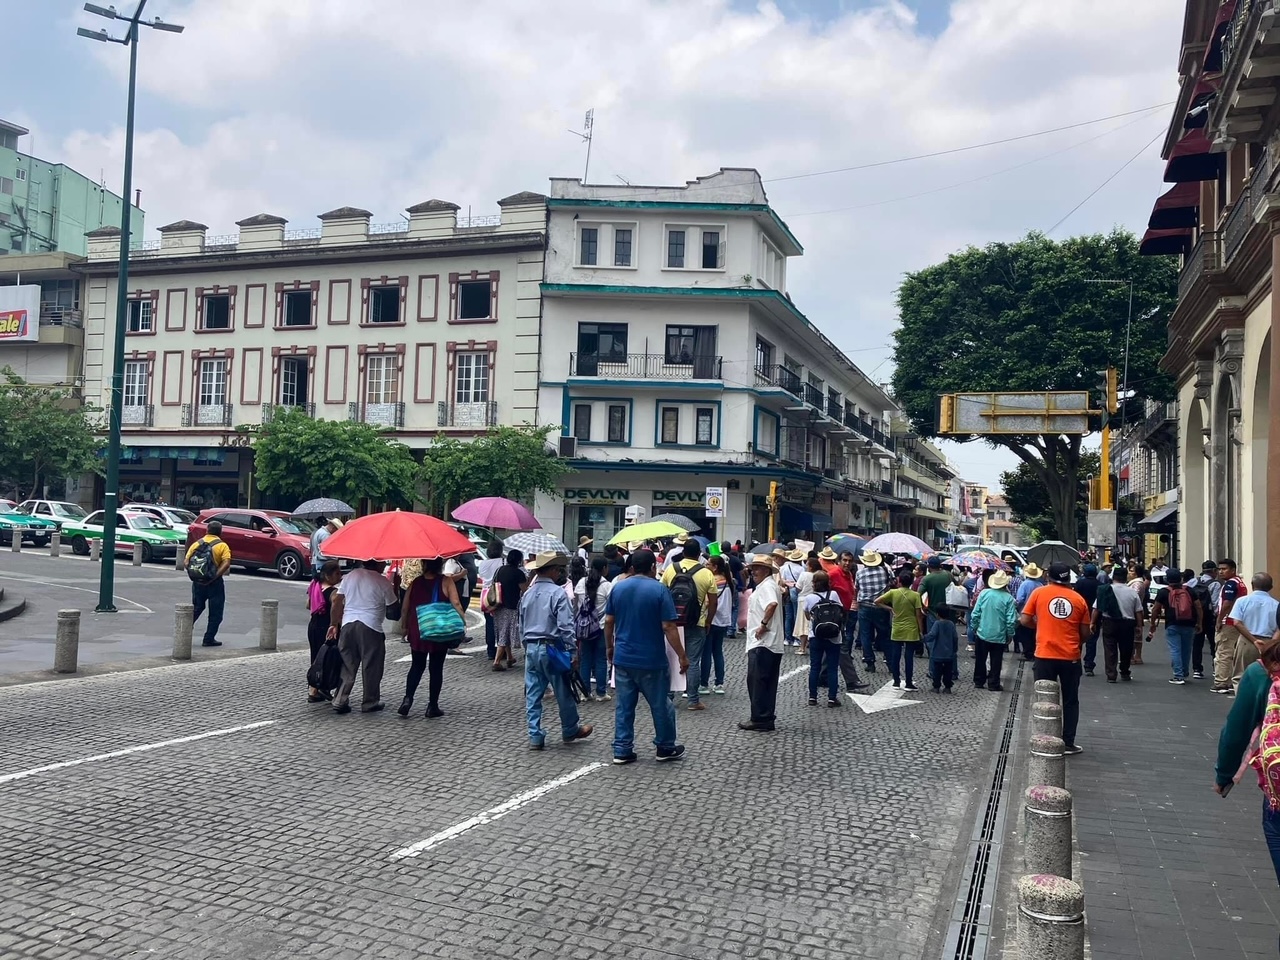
(378, 414)
(776, 375)
(1237, 224)
(269, 410)
(473, 416)
(644, 366)
(1162, 415)
(1203, 256)
(813, 396)
(835, 409)
(54, 315)
(865, 428)
(138, 415)
(206, 414)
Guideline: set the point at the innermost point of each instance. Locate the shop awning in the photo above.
(1177, 209)
(1192, 159)
(1213, 55)
(1163, 242)
(793, 518)
(1163, 520)
(213, 454)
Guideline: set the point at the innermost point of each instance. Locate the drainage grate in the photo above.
(970, 927)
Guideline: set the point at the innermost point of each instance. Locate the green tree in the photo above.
(46, 434)
(513, 462)
(1029, 499)
(1030, 316)
(298, 457)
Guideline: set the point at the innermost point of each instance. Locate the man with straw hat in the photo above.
(790, 569)
(546, 620)
(873, 580)
(765, 642)
(1025, 637)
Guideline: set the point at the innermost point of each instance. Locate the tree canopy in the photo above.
(45, 435)
(1033, 316)
(513, 462)
(1029, 500)
(298, 457)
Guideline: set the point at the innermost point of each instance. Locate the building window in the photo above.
(294, 386)
(297, 308)
(703, 435)
(582, 422)
(589, 241)
(471, 378)
(213, 383)
(766, 434)
(6, 185)
(712, 250)
(474, 299)
(675, 248)
(622, 247)
(217, 312)
(380, 378)
(764, 354)
(617, 423)
(670, 425)
(384, 304)
(140, 316)
(685, 344)
(135, 383)
(603, 342)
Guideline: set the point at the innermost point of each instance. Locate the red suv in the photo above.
(260, 538)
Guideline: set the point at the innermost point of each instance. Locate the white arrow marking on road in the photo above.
(792, 673)
(460, 652)
(887, 697)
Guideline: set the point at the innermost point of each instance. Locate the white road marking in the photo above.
(494, 813)
(141, 748)
(887, 697)
(66, 586)
(792, 673)
(476, 648)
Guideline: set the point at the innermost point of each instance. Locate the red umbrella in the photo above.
(498, 512)
(397, 536)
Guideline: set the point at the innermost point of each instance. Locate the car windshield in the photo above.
(180, 516)
(68, 510)
(142, 521)
(292, 525)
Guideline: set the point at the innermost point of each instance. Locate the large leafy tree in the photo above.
(513, 462)
(298, 457)
(1029, 499)
(46, 434)
(1032, 316)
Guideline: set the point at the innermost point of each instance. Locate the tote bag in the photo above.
(439, 622)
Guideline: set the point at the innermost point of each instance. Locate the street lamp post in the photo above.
(111, 495)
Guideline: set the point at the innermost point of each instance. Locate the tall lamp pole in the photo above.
(111, 495)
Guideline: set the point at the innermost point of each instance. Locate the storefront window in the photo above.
(599, 523)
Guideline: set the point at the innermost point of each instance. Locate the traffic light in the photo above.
(1110, 395)
(946, 413)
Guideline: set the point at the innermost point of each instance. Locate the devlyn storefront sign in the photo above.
(592, 496)
(687, 498)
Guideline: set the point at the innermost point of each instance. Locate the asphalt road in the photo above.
(205, 810)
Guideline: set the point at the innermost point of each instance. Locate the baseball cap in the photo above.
(1059, 572)
(1090, 570)
(1209, 565)
(935, 562)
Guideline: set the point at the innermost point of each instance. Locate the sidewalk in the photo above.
(1171, 870)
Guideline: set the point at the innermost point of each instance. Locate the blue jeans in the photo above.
(654, 685)
(897, 648)
(789, 615)
(873, 632)
(490, 636)
(592, 660)
(824, 664)
(1271, 831)
(695, 640)
(1179, 640)
(713, 655)
(537, 677)
(732, 629)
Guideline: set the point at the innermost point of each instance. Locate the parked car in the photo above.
(174, 517)
(480, 536)
(36, 529)
(8, 506)
(158, 541)
(59, 511)
(260, 538)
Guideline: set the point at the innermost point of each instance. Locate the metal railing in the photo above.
(222, 241)
(1236, 227)
(304, 233)
(138, 415)
(476, 416)
(471, 223)
(269, 410)
(813, 396)
(1202, 256)
(379, 229)
(206, 415)
(865, 428)
(776, 375)
(645, 366)
(53, 315)
(378, 414)
(1162, 415)
(1241, 31)
(835, 409)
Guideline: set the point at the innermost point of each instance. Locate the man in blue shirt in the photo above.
(1024, 638)
(639, 623)
(546, 620)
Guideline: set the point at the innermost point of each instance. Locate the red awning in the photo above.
(1178, 208)
(1213, 55)
(1158, 243)
(1191, 159)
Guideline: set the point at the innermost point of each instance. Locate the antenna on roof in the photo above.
(587, 124)
(624, 179)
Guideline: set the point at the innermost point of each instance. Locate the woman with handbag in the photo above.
(320, 604)
(432, 619)
(504, 601)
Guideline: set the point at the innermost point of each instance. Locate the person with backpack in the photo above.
(1182, 614)
(943, 641)
(1233, 589)
(824, 616)
(207, 563)
(694, 593)
(320, 605)
(590, 595)
(1087, 586)
(428, 650)
(1254, 618)
(1205, 588)
(992, 624)
(1117, 612)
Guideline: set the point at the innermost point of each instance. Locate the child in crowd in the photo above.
(942, 642)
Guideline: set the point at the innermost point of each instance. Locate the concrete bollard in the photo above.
(15, 541)
(1050, 918)
(270, 624)
(183, 617)
(55, 543)
(1047, 765)
(180, 558)
(95, 549)
(137, 554)
(1046, 719)
(1048, 846)
(1048, 691)
(66, 649)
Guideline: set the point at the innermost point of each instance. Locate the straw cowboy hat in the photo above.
(762, 560)
(337, 523)
(827, 554)
(871, 559)
(796, 555)
(583, 541)
(680, 538)
(548, 558)
(999, 580)
(1032, 572)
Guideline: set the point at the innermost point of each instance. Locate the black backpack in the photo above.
(201, 567)
(826, 619)
(684, 594)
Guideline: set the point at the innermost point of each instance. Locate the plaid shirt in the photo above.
(872, 582)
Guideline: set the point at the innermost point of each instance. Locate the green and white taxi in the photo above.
(158, 541)
(36, 530)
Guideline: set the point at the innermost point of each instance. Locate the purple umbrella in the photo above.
(978, 560)
(899, 543)
(497, 512)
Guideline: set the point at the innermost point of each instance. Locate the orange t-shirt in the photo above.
(1059, 613)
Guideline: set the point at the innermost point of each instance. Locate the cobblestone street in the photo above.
(274, 835)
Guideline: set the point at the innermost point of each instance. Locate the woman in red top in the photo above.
(432, 587)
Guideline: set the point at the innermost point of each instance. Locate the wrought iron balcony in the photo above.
(1164, 416)
(270, 410)
(378, 414)
(813, 396)
(644, 366)
(472, 416)
(138, 415)
(776, 375)
(835, 409)
(206, 414)
(1203, 256)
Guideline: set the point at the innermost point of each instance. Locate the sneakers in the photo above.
(833, 703)
(910, 686)
(897, 683)
(1197, 675)
(1221, 688)
(1088, 672)
(604, 697)
(813, 701)
(703, 690)
(1126, 677)
(1178, 681)
(671, 753)
(1072, 750)
(718, 689)
(624, 760)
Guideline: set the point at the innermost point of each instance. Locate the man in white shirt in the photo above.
(765, 643)
(1118, 612)
(359, 610)
(790, 574)
(1254, 615)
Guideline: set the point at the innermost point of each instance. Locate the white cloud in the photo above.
(299, 108)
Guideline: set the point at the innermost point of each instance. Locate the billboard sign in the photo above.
(20, 313)
(990, 414)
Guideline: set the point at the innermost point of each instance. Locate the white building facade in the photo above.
(675, 362)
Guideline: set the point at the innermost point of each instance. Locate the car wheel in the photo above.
(80, 545)
(146, 553)
(41, 541)
(289, 565)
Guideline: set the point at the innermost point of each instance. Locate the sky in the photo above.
(296, 108)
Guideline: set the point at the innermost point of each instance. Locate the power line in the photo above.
(1099, 187)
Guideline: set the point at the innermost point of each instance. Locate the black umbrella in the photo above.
(324, 507)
